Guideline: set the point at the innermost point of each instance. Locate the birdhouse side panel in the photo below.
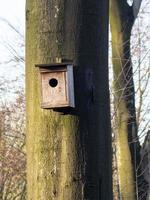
(70, 80)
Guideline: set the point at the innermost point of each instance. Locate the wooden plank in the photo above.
(54, 96)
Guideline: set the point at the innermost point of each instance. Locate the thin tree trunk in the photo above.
(127, 144)
(69, 152)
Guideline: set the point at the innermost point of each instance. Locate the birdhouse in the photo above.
(57, 85)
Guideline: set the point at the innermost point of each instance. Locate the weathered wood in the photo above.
(57, 85)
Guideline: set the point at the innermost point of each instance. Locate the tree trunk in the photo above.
(69, 152)
(128, 149)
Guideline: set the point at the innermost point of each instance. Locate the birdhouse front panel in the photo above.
(57, 85)
(54, 89)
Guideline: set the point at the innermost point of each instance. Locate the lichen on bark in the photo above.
(65, 148)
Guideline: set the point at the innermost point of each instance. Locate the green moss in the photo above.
(53, 140)
(60, 28)
(50, 136)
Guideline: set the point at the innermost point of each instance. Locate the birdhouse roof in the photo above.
(53, 65)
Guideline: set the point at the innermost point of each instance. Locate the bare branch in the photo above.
(12, 27)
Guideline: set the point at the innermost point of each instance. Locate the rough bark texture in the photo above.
(127, 144)
(69, 152)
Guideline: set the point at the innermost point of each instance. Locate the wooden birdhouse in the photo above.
(57, 85)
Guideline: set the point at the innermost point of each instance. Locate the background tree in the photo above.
(122, 17)
(140, 41)
(12, 115)
(145, 153)
(12, 151)
(69, 154)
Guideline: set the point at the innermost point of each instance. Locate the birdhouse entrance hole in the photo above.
(53, 82)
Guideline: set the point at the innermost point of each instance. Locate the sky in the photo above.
(12, 9)
(13, 12)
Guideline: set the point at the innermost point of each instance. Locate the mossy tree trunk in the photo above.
(122, 17)
(69, 152)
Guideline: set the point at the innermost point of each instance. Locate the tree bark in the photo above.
(69, 152)
(128, 149)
